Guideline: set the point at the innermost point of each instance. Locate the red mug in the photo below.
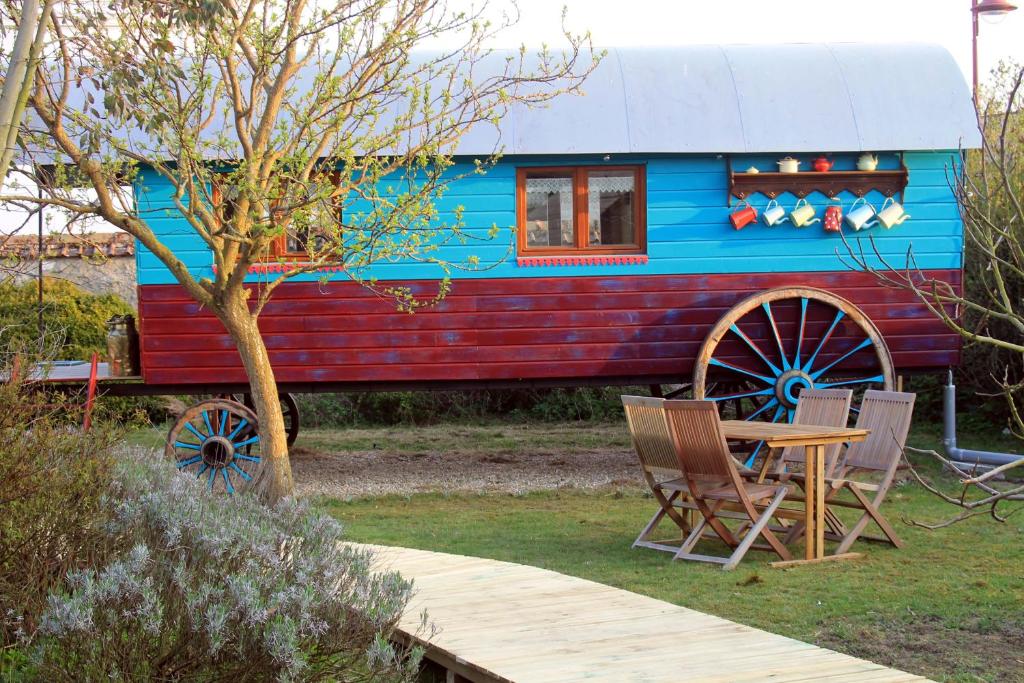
(834, 218)
(743, 217)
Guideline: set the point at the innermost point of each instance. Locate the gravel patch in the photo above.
(379, 472)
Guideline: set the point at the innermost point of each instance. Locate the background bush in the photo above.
(74, 318)
(210, 587)
(75, 329)
(431, 407)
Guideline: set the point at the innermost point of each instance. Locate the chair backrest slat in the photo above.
(699, 441)
(651, 438)
(887, 414)
(826, 407)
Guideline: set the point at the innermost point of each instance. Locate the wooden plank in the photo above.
(499, 621)
(511, 328)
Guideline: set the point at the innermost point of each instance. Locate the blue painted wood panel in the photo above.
(687, 223)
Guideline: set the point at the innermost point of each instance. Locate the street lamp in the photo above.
(984, 8)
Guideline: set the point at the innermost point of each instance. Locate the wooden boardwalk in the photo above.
(498, 621)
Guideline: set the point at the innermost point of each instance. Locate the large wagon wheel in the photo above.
(777, 342)
(217, 440)
(289, 410)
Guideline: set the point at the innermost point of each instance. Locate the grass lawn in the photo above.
(950, 605)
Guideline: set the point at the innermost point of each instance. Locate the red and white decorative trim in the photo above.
(583, 260)
(287, 266)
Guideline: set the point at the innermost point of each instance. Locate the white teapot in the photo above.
(867, 162)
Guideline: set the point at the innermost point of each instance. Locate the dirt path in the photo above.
(513, 459)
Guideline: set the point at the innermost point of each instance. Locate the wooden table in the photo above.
(813, 438)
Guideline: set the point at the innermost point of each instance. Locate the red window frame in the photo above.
(581, 218)
(279, 247)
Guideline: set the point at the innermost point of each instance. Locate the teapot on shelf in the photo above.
(867, 162)
(822, 164)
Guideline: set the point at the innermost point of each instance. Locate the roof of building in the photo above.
(716, 99)
(754, 98)
(103, 244)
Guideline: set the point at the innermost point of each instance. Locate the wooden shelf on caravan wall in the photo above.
(831, 183)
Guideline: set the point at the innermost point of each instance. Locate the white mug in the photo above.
(774, 214)
(891, 214)
(859, 217)
(802, 214)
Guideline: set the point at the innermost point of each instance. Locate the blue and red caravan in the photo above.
(688, 220)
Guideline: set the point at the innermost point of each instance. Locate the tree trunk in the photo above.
(275, 480)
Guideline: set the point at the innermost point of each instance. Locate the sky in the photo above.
(681, 22)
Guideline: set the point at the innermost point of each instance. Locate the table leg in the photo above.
(810, 490)
(819, 501)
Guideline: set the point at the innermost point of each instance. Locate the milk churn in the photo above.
(122, 346)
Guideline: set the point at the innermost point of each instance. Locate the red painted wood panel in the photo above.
(507, 329)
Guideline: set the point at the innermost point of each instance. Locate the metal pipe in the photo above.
(965, 458)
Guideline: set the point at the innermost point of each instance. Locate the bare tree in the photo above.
(273, 119)
(988, 310)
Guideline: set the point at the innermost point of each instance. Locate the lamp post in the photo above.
(984, 8)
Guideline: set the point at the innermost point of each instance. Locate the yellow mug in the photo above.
(802, 214)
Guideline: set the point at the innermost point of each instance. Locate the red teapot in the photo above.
(822, 164)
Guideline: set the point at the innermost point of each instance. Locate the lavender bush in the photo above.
(217, 588)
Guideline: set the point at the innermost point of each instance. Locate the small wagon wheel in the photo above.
(218, 441)
(782, 340)
(289, 410)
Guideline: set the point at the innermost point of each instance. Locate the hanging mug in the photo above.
(891, 214)
(802, 214)
(834, 218)
(774, 214)
(860, 217)
(743, 217)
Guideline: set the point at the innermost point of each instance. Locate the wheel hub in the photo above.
(788, 386)
(217, 452)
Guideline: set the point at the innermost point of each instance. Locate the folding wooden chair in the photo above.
(887, 414)
(659, 466)
(826, 407)
(716, 486)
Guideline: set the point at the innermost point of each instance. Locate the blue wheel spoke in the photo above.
(189, 427)
(800, 332)
(863, 345)
(213, 475)
(775, 333)
(790, 414)
(250, 458)
(247, 442)
(241, 425)
(190, 446)
(201, 470)
(735, 368)
(749, 462)
(240, 471)
(190, 461)
(739, 333)
(824, 340)
(763, 392)
(206, 419)
(876, 379)
(223, 422)
(760, 444)
(227, 482)
(760, 410)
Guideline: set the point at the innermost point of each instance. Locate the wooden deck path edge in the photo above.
(504, 622)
